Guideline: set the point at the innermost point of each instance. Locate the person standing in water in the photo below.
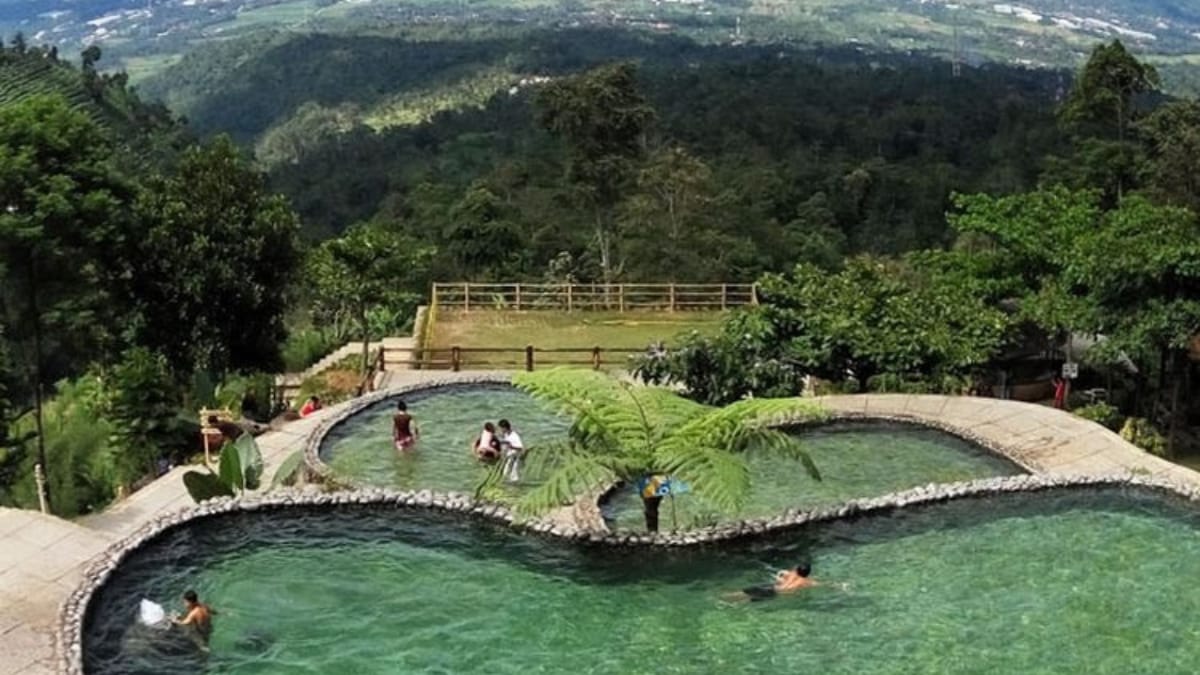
(513, 448)
(198, 617)
(404, 428)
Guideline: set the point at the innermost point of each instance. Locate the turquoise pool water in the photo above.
(1085, 581)
(360, 449)
(861, 459)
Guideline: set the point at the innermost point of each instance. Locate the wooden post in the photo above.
(518, 297)
(433, 298)
(621, 297)
(529, 358)
(569, 300)
(455, 358)
(724, 296)
(595, 358)
(672, 296)
(467, 296)
(754, 294)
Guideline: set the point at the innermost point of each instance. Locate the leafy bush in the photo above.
(250, 395)
(332, 386)
(82, 470)
(1141, 432)
(1100, 413)
(893, 383)
(141, 404)
(306, 346)
(240, 469)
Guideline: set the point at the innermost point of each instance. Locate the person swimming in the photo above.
(404, 428)
(198, 617)
(786, 581)
(487, 446)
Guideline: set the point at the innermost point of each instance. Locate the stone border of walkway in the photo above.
(74, 610)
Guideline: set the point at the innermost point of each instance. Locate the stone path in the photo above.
(42, 558)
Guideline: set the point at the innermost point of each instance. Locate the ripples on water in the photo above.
(1088, 581)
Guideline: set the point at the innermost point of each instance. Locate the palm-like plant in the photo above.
(624, 432)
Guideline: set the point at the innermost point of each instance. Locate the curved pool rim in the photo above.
(312, 446)
(73, 613)
(316, 464)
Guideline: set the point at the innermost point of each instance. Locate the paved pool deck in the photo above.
(42, 558)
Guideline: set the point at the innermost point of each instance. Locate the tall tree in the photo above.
(1172, 134)
(603, 118)
(212, 270)
(62, 215)
(671, 224)
(1100, 115)
(367, 267)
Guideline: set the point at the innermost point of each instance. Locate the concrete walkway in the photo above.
(42, 558)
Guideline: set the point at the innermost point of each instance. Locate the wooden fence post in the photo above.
(467, 296)
(529, 358)
(595, 358)
(569, 299)
(518, 297)
(455, 358)
(724, 296)
(621, 297)
(672, 296)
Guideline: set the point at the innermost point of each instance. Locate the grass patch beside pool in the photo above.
(506, 329)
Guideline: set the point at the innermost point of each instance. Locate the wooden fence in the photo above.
(466, 296)
(516, 358)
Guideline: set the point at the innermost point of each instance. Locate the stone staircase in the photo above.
(397, 352)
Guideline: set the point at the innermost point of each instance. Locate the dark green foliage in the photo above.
(141, 404)
(367, 268)
(212, 269)
(875, 317)
(239, 469)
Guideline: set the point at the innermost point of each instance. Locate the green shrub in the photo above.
(306, 346)
(1101, 413)
(141, 404)
(248, 394)
(82, 471)
(1141, 432)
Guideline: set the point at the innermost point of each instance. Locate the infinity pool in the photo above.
(1079, 581)
(360, 449)
(858, 459)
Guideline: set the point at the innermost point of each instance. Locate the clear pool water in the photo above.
(1086, 581)
(360, 449)
(864, 459)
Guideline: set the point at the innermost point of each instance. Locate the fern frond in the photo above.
(575, 475)
(711, 472)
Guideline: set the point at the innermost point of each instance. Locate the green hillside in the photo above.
(148, 130)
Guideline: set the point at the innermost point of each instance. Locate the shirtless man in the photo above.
(198, 616)
(786, 581)
(404, 428)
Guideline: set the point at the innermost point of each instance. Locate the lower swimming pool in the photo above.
(1097, 580)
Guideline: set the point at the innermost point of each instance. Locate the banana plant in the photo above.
(240, 469)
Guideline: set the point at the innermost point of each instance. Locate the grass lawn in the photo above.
(507, 329)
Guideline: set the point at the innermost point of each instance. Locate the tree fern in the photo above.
(627, 432)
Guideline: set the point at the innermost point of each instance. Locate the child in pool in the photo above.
(487, 446)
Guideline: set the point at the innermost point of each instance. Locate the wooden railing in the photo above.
(466, 296)
(518, 358)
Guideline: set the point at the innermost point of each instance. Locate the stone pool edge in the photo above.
(69, 633)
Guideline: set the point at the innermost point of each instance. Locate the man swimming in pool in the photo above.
(198, 617)
(404, 428)
(786, 581)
